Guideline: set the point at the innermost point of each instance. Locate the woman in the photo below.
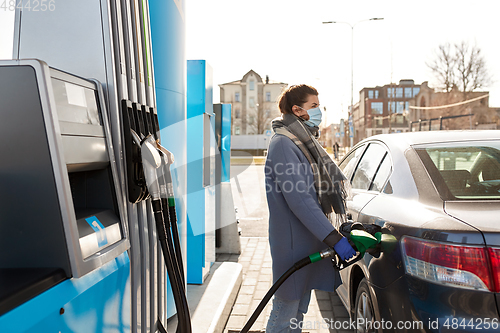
(299, 201)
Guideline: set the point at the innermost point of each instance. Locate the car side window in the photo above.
(349, 163)
(368, 166)
(383, 173)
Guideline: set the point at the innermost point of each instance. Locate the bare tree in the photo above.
(443, 66)
(261, 118)
(471, 68)
(461, 66)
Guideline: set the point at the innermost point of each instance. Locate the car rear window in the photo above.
(464, 171)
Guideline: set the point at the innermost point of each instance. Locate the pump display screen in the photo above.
(75, 103)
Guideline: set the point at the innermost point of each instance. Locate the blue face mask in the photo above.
(315, 116)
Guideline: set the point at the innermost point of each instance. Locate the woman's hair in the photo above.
(295, 95)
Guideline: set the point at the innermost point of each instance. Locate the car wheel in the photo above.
(363, 309)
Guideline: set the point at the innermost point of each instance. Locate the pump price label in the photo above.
(28, 5)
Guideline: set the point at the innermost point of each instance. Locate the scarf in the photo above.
(329, 182)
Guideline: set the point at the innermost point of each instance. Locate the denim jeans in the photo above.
(287, 316)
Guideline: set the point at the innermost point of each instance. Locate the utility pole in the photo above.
(351, 111)
(391, 99)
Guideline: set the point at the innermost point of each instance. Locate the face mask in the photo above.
(315, 116)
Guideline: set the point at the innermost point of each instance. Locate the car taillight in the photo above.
(495, 267)
(461, 266)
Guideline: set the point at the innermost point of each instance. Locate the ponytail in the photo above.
(295, 95)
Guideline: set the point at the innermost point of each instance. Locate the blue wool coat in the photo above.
(297, 224)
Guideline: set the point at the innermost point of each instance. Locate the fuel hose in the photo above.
(168, 202)
(151, 161)
(298, 265)
(173, 221)
(179, 293)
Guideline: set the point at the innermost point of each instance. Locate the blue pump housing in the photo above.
(96, 302)
(167, 22)
(201, 171)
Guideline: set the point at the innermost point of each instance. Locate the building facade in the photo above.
(407, 106)
(454, 110)
(384, 109)
(254, 103)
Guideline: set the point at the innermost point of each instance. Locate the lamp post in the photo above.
(351, 120)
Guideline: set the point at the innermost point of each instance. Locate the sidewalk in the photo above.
(257, 279)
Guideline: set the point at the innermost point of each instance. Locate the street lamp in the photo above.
(352, 67)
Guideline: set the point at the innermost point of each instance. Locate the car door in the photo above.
(368, 170)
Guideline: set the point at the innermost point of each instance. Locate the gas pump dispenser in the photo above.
(111, 41)
(63, 234)
(63, 237)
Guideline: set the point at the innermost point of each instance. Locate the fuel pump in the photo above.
(63, 236)
(111, 41)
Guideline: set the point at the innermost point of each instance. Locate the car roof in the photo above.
(428, 137)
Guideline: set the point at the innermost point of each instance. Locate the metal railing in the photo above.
(428, 125)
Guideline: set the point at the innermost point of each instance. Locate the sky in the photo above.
(286, 40)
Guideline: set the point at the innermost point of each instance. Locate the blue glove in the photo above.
(344, 249)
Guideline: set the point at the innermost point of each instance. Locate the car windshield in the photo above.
(464, 171)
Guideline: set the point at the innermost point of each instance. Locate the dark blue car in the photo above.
(438, 194)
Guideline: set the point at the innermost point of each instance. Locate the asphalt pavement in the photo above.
(249, 195)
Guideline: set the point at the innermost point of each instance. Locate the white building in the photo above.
(253, 103)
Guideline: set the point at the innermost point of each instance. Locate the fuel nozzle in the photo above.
(151, 161)
(361, 236)
(369, 238)
(168, 159)
(166, 153)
